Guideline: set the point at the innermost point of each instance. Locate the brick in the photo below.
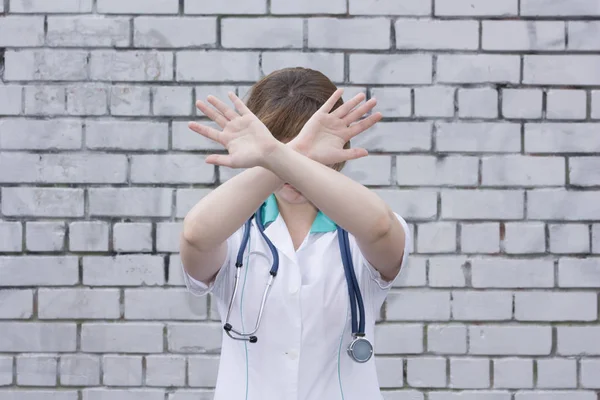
(58, 6)
(188, 338)
(36, 370)
(480, 238)
(390, 7)
(183, 138)
(123, 394)
(6, 369)
(334, 33)
(581, 70)
(29, 134)
(370, 170)
(308, 7)
(556, 373)
(434, 101)
(87, 31)
(436, 171)
(517, 170)
(37, 337)
(583, 8)
(512, 273)
(513, 340)
(225, 7)
(386, 339)
(478, 103)
(10, 99)
(522, 103)
(549, 306)
(172, 304)
(469, 373)
(513, 373)
(481, 306)
(88, 236)
(176, 274)
(127, 135)
(482, 204)
(165, 370)
(130, 202)
(555, 395)
(25, 394)
(172, 101)
(389, 372)
(16, 304)
(524, 237)
(187, 198)
(330, 64)
(584, 171)
(129, 100)
(78, 304)
(573, 272)
(391, 68)
(596, 239)
(470, 395)
(569, 238)
(556, 204)
(566, 104)
(167, 32)
(427, 372)
(578, 340)
(202, 371)
(172, 168)
(84, 168)
(123, 270)
(478, 137)
(447, 339)
(396, 136)
(590, 373)
(478, 68)
(476, 8)
(45, 65)
(87, 99)
(418, 305)
(436, 34)
(121, 370)
(45, 100)
(137, 65)
(132, 237)
(20, 31)
(448, 271)
(45, 236)
(269, 33)
(392, 102)
(38, 270)
(122, 337)
(79, 370)
(226, 66)
(167, 236)
(584, 35)
(138, 7)
(523, 35)
(436, 237)
(11, 236)
(38, 202)
(413, 204)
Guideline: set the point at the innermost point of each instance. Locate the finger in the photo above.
(222, 107)
(357, 113)
(349, 105)
(211, 113)
(364, 124)
(331, 101)
(219, 159)
(353, 154)
(206, 131)
(239, 104)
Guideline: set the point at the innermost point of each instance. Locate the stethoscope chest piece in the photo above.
(360, 350)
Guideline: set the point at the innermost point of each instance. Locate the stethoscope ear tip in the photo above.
(253, 339)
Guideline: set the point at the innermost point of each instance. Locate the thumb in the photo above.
(354, 153)
(219, 159)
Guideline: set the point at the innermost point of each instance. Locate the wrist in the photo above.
(273, 153)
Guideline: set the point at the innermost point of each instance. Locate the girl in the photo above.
(293, 137)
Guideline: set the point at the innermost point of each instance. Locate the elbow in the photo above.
(192, 236)
(382, 226)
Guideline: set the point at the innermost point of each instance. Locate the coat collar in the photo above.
(321, 224)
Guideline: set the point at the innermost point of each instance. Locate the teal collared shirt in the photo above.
(321, 224)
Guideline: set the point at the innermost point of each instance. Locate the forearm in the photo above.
(348, 203)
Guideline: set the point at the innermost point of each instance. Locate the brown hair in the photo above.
(285, 100)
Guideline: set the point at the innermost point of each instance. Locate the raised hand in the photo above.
(324, 135)
(245, 137)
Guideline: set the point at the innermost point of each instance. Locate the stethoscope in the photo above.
(360, 349)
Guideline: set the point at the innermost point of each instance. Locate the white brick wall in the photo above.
(489, 147)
